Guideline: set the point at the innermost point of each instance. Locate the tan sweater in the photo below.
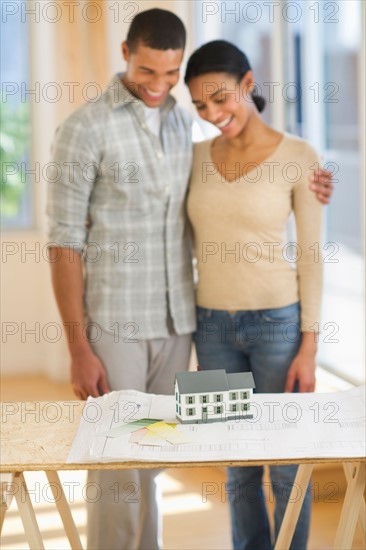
(244, 258)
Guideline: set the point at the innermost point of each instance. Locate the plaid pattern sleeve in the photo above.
(117, 196)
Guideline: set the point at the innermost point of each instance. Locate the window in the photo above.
(218, 410)
(233, 395)
(218, 397)
(204, 399)
(176, 407)
(326, 63)
(233, 407)
(245, 407)
(245, 395)
(15, 194)
(190, 399)
(191, 411)
(180, 410)
(309, 63)
(204, 409)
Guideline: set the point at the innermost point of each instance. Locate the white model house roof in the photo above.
(212, 381)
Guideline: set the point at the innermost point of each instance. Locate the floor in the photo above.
(194, 500)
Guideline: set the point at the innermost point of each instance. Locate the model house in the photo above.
(213, 395)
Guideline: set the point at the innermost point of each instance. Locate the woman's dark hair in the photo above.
(220, 56)
(157, 29)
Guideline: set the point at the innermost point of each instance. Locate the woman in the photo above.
(255, 311)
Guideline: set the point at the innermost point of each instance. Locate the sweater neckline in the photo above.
(236, 181)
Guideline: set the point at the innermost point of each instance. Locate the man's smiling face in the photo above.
(151, 74)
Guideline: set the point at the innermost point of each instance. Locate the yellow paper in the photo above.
(166, 431)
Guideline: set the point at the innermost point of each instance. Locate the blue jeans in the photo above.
(264, 342)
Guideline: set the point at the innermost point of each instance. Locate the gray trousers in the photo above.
(127, 516)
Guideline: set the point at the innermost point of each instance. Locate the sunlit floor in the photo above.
(183, 508)
(194, 518)
(195, 513)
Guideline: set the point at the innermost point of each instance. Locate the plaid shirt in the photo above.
(117, 195)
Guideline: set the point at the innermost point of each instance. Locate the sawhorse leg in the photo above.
(353, 506)
(348, 470)
(15, 485)
(7, 493)
(26, 513)
(64, 510)
(294, 505)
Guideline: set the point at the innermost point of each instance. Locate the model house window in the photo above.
(233, 395)
(180, 410)
(191, 411)
(218, 410)
(204, 409)
(245, 406)
(190, 399)
(233, 407)
(245, 395)
(176, 407)
(218, 397)
(15, 194)
(204, 398)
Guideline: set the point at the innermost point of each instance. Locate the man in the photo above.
(125, 162)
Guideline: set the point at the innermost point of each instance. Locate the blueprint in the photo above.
(284, 426)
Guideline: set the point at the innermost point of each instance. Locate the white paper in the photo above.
(285, 426)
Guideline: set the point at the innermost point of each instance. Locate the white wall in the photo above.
(118, 26)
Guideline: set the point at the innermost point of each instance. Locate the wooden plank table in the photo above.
(38, 436)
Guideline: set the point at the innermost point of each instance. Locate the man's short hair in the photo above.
(157, 29)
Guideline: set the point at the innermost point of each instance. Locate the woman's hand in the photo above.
(302, 369)
(322, 185)
(303, 366)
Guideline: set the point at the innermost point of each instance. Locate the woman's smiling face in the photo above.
(222, 100)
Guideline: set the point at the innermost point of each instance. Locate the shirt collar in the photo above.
(119, 96)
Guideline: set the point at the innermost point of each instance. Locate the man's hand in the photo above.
(302, 369)
(322, 185)
(88, 376)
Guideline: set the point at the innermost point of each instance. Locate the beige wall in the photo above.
(31, 328)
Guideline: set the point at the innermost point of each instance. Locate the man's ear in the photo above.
(125, 51)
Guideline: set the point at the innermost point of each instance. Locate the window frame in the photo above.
(283, 116)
